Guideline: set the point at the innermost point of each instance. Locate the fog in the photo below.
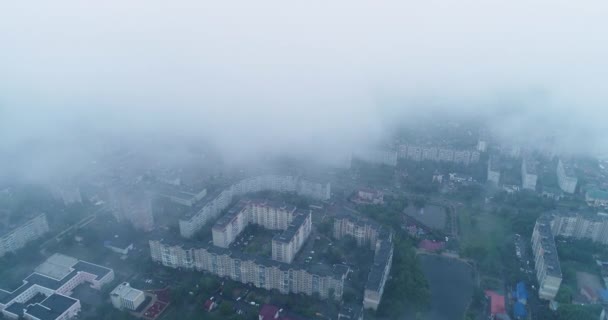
(312, 79)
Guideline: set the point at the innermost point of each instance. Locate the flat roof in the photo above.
(56, 266)
(291, 231)
(97, 270)
(52, 307)
(381, 258)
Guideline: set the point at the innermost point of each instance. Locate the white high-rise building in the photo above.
(566, 178)
(529, 173)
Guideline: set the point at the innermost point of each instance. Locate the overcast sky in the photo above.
(314, 76)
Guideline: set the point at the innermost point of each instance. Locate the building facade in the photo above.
(565, 224)
(369, 233)
(189, 225)
(126, 297)
(566, 178)
(494, 170)
(378, 274)
(433, 153)
(260, 272)
(286, 245)
(16, 238)
(529, 173)
(364, 231)
(296, 226)
(546, 262)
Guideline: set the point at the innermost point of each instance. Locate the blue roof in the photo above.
(519, 310)
(521, 292)
(604, 294)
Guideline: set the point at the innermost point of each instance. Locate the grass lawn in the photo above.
(479, 228)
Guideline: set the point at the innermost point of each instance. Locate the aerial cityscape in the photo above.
(314, 161)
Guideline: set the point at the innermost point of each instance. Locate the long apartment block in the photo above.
(296, 226)
(368, 233)
(248, 269)
(15, 238)
(220, 201)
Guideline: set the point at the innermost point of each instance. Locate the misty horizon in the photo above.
(315, 79)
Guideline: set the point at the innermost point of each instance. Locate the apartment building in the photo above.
(565, 224)
(581, 226)
(260, 272)
(596, 197)
(55, 279)
(132, 206)
(180, 195)
(368, 196)
(445, 155)
(566, 177)
(494, 170)
(30, 228)
(430, 153)
(529, 173)
(286, 245)
(367, 232)
(126, 297)
(191, 223)
(433, 153)
(546, 262)
(364, 231)
(379, 272)
(413, 152)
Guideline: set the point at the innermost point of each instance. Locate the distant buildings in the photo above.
(596, 197)
(132, 206)
(15, 238)
(386, 157)
(45, 294)
(179, 195)
(566, 178)
(68, 193)
(494, 170)
(460, 178)
(215, 204)
(529, 173)
(433, 153)
(126, 297)
(369, 196)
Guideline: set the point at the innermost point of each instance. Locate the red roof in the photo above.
(268, 312)
(208, 305)
(497, 302)
(432, 246)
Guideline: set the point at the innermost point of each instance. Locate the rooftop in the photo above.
(52, 307)
(291, 231)
(381, 259)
